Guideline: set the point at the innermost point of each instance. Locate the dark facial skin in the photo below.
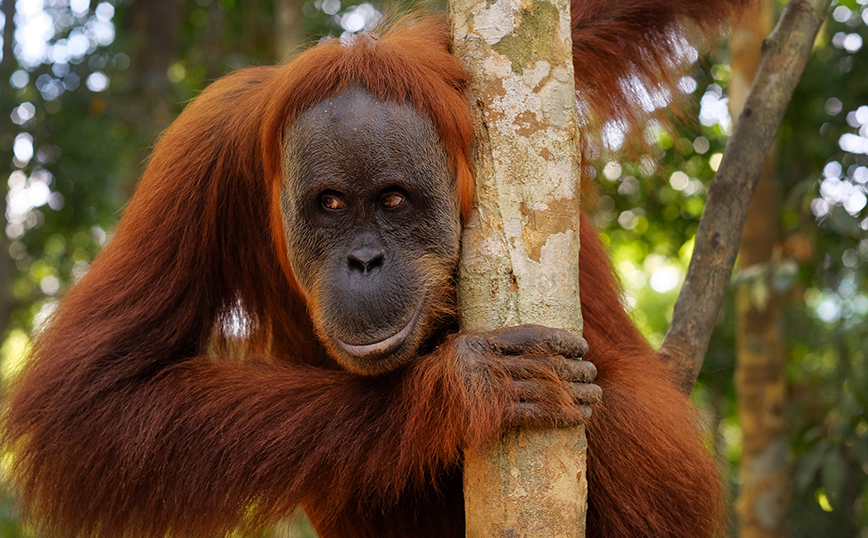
(376, 226)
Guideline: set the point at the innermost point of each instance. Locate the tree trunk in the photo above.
(214, 55)
(152, 28)
(154, 25)
(760, 382)
(287, 20)
(520, 247)
(7, 102)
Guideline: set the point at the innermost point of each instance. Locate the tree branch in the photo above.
(785, 53)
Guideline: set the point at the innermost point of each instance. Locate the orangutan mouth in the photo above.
(383, 347)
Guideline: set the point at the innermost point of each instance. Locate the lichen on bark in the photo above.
(521, 245)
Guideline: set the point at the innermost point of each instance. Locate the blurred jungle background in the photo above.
(86, 86)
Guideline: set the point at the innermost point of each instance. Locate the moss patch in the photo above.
(536, 37)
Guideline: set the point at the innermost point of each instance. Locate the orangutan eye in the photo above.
(392, 200)
(332, 202)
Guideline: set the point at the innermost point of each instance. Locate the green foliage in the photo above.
(827, 333)
(823, 176)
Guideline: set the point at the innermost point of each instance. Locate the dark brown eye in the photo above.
(392, 200)
(332, 202)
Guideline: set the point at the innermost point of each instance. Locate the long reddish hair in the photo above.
(131, 418)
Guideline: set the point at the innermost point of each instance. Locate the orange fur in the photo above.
(126, 423)
(639, 39)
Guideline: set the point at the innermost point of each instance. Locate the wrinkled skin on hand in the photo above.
(540, 368)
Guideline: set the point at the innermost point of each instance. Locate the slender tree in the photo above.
(520, 249)
(287, 29)
(154, 26)
(760, 381)
(7, 101)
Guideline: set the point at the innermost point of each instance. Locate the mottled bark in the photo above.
(785, 53)
(760, 381)
(520, 248)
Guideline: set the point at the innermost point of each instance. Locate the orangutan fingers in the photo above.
(530, 415)
(577, 371)
(586, 393)
(536, 340)
(530, 367)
